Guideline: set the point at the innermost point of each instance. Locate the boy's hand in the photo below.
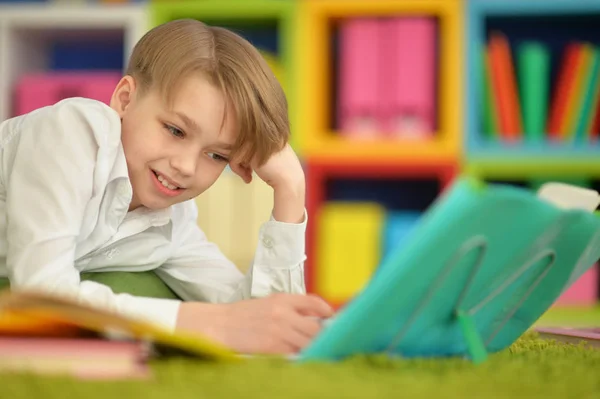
(278, 324)
(284, 173)
(282, 169)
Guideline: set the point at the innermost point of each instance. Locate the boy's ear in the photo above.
(123, 95)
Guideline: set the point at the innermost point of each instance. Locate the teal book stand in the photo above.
(484, 263)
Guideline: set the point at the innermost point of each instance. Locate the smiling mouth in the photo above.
(164, 185)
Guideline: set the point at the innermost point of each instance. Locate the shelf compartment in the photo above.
(38, 38)
(367, 184)
(268, 25)
(554, 25)
(317, 62)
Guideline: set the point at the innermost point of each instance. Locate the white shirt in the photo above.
(64, 198)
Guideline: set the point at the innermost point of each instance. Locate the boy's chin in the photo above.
(156, 204)
(162, 203)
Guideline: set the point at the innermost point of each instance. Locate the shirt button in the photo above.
(111, 253)
(267, 242)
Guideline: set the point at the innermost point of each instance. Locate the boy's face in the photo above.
(173, 154)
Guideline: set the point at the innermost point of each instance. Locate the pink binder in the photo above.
(39, 90)
(408, 79)
(360, 58)
(583, 292)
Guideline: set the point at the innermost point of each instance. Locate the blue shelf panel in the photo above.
(533, 7)
(553, 23)
(524, 151)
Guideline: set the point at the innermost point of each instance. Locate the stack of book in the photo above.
(49, 335)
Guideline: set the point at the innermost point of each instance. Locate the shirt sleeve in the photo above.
(199, 271)
(52, 164)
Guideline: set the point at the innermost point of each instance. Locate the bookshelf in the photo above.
(376, 185)
(542, 152)
(381, 183)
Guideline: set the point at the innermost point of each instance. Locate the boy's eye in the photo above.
(217, 157)
(174, 131)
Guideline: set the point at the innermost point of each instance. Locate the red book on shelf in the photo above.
(594, 132)
(563, 92)
(504, 85)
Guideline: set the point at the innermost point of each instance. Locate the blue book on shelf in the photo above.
(480, 267)
(397, 228)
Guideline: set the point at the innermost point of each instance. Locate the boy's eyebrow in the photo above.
(189, 122)
(224, 146)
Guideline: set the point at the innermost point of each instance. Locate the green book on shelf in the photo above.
(490, 120)
(589, 93)
(534, 75)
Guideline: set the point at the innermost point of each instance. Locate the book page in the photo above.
(567, 196)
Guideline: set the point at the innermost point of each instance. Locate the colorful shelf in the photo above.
(379, 181)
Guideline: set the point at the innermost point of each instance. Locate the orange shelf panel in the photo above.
(339, 148)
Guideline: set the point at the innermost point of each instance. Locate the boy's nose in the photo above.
(185, 164)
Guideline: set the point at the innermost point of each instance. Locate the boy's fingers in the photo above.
(307, 326)
(297, 340)
(312, 305)
(244, 172)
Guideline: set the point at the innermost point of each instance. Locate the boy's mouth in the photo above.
(164, 185)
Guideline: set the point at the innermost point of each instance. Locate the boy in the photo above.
(90, 187)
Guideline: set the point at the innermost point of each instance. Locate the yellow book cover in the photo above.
(38, 314)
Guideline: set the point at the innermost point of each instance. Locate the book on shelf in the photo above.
(386, 86)
(520, 101)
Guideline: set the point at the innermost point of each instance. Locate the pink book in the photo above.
(80, 357)
(590, 335)
(409, 76)
(359, 66)
(39, 90)
(584, 291)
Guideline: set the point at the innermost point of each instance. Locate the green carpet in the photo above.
(530, 368)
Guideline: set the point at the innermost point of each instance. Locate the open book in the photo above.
(52, 335)
(567, 196)
(481, 266)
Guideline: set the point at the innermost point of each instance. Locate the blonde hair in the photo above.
(170, 52)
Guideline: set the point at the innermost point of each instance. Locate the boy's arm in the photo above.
(199, 271)
(50, 167)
